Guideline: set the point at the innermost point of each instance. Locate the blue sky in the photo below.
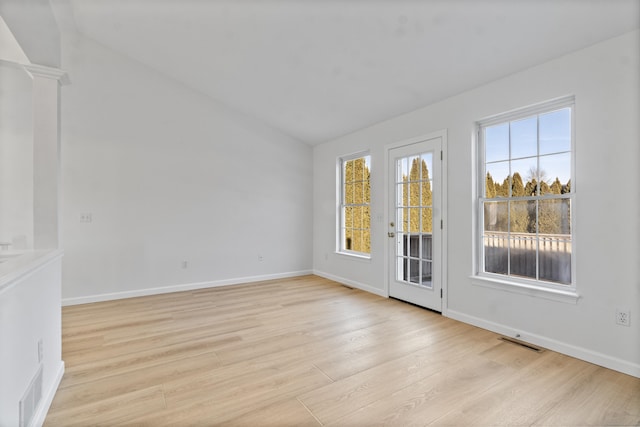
(514, 146)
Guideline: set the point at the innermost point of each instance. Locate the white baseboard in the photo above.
(179, 288)
(47, 398)
(594, 357)
(351, 283)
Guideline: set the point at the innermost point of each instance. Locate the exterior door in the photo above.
(414, 228)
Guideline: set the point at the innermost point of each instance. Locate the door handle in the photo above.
(391, 234)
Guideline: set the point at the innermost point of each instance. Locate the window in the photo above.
(355, 212)
(526, 193)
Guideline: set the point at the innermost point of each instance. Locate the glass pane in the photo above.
(403, 170)
(367, 192)
(405, 247)
(402, 222)
(524, 138)
(358, 192)
(360, 173)
(407, 220)
(557, 167)
(349, 194)
(414, 164)
(366, 217)
(524, 177)
(414, 194)
(522, 217)
(427, 166)
(414, 220)
(427, 247)
(565, 223)
(555, 131)
(427, 273)
(414, 271)
(402, 194)
(367, 168)
(348, 217)
(497, 180)
(497, 143)
(427, 220)
(348, 171)
(523, 239)
(555, 258)
(554, 216)
(426, 197)
(414, 246)
(359, 220)
(348, 239)
(496, 253)
(523, 254)
(357, 241)
(496, 217)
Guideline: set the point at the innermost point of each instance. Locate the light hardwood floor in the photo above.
(306, 352)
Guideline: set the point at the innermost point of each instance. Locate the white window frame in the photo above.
(340, 249)
(532, 287)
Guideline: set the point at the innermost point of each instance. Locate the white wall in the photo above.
(29, 312)
(168, 176)
(605, 81)
(16, 157)
(29, 284)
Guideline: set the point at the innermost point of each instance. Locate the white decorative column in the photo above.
(46, 154)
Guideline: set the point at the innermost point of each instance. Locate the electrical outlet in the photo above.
(185, 264)
(260, 257)
(86, 217)
(623, 317)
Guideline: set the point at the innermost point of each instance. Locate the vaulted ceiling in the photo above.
(316, 70)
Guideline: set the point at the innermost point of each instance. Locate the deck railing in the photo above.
(543, 256)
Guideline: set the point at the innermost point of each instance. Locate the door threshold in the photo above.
(417, 305)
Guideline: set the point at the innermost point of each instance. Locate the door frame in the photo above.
(444, 214)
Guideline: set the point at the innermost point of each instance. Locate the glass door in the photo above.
(415, 227)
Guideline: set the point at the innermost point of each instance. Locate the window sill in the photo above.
(357, 256)
(559, 295)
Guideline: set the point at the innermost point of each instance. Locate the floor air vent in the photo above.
(31, 399)
(522, 344)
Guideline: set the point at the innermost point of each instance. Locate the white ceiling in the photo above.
(10, 49)
(318, 69)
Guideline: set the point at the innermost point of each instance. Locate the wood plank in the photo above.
(129, 363)
(110, 411)
(605, 398)
(336, 400)
(288, 412)
(73, 393)
(213, 400)
(520, 398)
(424, 401)
(307, 351)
